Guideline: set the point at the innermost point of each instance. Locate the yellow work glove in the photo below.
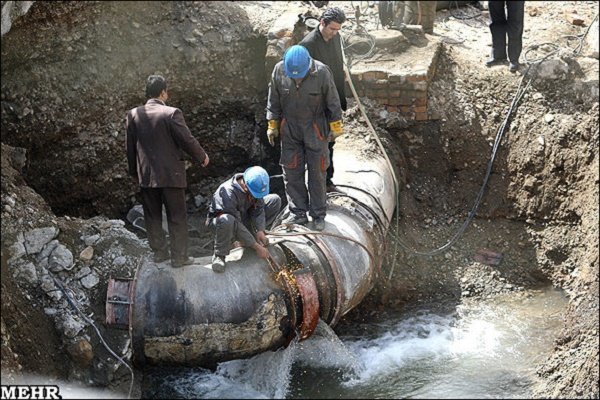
(336, 128)
(272, 130)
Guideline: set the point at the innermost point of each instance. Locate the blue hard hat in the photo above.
(296, 61)
(257, 180)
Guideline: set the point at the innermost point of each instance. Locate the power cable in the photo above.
(500, 133)
(71, 302)
(462, 15)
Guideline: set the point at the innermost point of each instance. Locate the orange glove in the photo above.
(336, 128)
(272, 130)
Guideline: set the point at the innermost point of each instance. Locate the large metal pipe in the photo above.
(193, 316)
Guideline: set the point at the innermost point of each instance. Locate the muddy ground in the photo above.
(64, 96)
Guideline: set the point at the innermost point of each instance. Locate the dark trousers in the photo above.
(330, 168)
(228, 228)
(174, 201)
(507, 22)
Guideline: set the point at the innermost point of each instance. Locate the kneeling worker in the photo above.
(241, 209)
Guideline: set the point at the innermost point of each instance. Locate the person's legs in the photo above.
(272, 208)
(295, 188)
(516, 15)
(177, 221)
(498, 27)
(224, 226)
(317, 163)
(152, 206)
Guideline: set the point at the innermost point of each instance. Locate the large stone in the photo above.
(17, 250)
(42, 257)
(49, 287)
(71, 326)
(11, 10)
(91, 240)
(87, 254)
(89, 281)
(36, 239)
(26, 273)
(60, 259)
(81, 352)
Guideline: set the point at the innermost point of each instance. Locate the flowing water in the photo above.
(487, 349)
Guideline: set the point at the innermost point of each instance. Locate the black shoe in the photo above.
(332, 188)
(218, 263)
(319, 224)
(494, 61)
(513, 67)
(161, 256)
(295, 219)
(177, 263)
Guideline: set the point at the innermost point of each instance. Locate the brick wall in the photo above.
(403, 93)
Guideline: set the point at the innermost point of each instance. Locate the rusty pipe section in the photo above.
(193, 316)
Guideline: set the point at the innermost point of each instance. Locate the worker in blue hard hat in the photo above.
(303, 108)
(240, 210)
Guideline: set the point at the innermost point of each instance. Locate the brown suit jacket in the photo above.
(157, 136)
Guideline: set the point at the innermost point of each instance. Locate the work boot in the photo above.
(494, 61)
(513, 67)
(319, 224)
(160, 256)
(331, 187)
(218, 263)
(295, 219)
(178, 263)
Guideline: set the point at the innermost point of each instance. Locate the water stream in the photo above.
(484, 349)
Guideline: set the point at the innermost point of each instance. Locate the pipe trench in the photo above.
(193, 316)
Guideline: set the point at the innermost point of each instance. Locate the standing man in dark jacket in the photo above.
(304, 105)
(324, 45)
(157, 137)
(241, 209)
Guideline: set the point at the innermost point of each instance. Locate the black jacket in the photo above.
(330, 54)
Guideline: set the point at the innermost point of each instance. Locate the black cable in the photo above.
(462, 16)
(92, 323)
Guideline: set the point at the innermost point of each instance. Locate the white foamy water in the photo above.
(479, 350)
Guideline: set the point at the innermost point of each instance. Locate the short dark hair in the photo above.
(155, 85)
(334, 14)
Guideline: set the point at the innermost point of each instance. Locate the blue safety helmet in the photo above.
(296, 61)
(257, 180)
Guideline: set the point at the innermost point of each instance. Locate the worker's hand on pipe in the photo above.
(337, 128)
(272, 131)
(261, 251)
(262, 238)
(206, 161)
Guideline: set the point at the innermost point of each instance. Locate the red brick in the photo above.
(371, 93)
(421, 109)
(573, 19)
(382, 92)
(420, 86)
(394, 101)
(421, 117)
(416, 77)
(406, 109)
(395, 93)
(391, 108)
(421, 102)
(374, 75)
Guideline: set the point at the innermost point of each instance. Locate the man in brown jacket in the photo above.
(157, 137)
